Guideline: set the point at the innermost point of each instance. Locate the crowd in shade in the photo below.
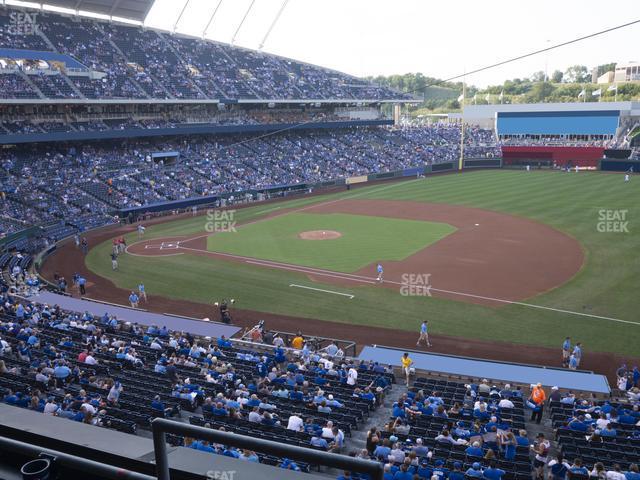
(10, 125)
(135, 63)
(114, 374)
(559, 140)
(48, 183)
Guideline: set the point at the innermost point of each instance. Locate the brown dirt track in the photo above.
(471, 269)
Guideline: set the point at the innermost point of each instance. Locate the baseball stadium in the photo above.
(222, 263)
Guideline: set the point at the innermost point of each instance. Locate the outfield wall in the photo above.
(561, 156)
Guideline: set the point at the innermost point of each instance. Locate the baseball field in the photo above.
(509, 257)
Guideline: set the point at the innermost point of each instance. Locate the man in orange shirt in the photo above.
(538, 397)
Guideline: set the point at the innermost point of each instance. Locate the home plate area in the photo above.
(163, 246)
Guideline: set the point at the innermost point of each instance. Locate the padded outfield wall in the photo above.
(580, 156)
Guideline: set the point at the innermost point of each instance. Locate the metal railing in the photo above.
(161, 427)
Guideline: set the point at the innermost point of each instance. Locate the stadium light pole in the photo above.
(246, 14)
(461, 160)
(204, 32)
(175, 25)
(275, 20)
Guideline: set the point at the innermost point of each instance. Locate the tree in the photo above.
(556, 76)
(539, 76)
(540, 92)
(577, 74)
(607, 67)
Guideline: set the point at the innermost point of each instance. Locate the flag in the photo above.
(488, 98)
(475, 97)
(612, 88)
(582, 93)
(501, 96)
(461, 98)
(597, 93)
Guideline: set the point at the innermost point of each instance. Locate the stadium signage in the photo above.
(416, 285)
(22, 23)
(221, 474)
(612, 221)
(221, 221)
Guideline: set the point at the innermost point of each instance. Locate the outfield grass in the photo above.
(607, 285)
(364, 240)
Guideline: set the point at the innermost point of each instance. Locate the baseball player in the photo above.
(141, 230)
(142, 293)
(380, 271)
(424, 334)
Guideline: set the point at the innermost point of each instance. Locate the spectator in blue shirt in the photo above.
(493, 473)
(382, 451)
(403, 473)
(439, 470)
(456, 473)
(474, 471)
(578, 424)
(474, 450)
(608, 431)
(632, 473)
(424, 471)
(577, 467)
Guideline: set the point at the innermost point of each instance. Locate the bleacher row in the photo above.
(425, 428)
(584, 440)
(136, 63)
(142, 380)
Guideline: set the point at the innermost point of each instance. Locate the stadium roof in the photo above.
(129, 9)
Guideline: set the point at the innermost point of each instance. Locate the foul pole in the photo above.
(461, 160)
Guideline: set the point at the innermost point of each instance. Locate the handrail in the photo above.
(161, 426)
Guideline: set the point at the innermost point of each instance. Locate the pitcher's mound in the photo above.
(319, 235)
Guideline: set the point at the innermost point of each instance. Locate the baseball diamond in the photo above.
(219, 262)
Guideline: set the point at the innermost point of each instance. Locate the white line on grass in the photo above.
(322, 290)
(372, 280)
(309, 271)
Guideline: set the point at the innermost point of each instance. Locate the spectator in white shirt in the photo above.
(327, 431)
(50, 407)
(254, 416)
(295, 423)
(352, 376)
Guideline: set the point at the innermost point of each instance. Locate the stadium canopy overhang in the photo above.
(136, 10)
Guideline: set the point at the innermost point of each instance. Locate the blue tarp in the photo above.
(506, 372)
(604, 122)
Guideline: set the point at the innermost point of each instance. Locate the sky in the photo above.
(437, 38)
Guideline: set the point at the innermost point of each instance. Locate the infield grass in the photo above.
(607, 285)
(364, 240)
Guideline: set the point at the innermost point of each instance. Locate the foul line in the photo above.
(322, 290)
(372, 280)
